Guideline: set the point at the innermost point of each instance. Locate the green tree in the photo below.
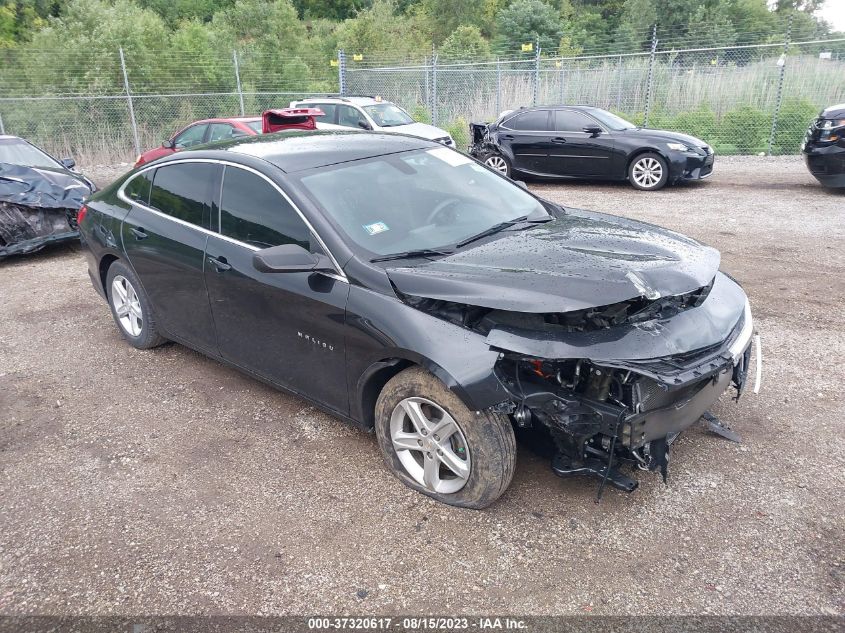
(527, 21)
(465, 43)
(379, 31)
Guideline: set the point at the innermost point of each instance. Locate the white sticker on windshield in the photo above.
(449, 156)
(376, 228)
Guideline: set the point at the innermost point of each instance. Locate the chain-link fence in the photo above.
(742, 99)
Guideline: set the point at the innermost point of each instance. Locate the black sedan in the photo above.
(403, 286)
(824, 147)
(586, 142)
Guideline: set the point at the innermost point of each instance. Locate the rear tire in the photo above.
(648, 172)
(434, 444)
(130, 307)
(497, 162)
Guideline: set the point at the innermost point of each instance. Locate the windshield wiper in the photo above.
(420, 252)
(501, 226)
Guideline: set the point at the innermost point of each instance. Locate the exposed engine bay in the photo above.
(37, 207)
(596, 380)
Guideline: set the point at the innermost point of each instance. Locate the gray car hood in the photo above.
(580, 260)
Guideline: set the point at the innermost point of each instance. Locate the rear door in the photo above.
(574, 152)
(288, 328)
(528, 135)
(164, 238)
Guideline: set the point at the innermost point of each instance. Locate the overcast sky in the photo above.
(834, 12)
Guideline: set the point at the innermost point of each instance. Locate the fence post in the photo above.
(341, 72)
(779, 95)
(498, 87)
(434, 89)
(650, 74)
(562, 84)
(129, 103)
(619, 85)
(2, 127)
(536, 73)
(238, 81)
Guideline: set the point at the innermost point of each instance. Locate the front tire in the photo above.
(498, 162)
(648, 172)
(130, 307)
(434, 444)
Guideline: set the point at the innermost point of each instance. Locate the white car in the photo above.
(371, 113)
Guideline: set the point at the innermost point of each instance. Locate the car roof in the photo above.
(6, 137)
(295, 150)
(229, 119)
(353, 100)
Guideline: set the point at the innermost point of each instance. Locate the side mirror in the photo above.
(593, 130)
(168, 144)
(364, 125)
(69, 163)
(290, 258)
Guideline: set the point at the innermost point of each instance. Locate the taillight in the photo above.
(80, 215)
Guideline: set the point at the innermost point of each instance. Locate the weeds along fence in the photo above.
(741, 99)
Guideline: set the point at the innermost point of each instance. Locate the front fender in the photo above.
(382, 329)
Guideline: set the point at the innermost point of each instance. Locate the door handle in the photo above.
(558, 139)
(219, 263)
(139, 233)
(507, 137)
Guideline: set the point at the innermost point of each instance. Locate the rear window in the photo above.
(138, 188)
(538, 120)
(255, 126)
(183, 191)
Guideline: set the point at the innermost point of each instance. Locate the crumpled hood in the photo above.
(580, 260)
(40, 187)
(421, 130)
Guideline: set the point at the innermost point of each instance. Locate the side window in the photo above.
(192, 136)
(221, 131)
(348, 116)
(252, 211)
(329, 108)
(184, 191)
(139, 187)
(571, 121)
(536, 120)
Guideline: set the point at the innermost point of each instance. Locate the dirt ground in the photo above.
(162, 482)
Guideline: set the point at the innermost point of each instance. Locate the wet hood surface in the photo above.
(580, 260)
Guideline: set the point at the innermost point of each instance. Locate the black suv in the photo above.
(402, 285)
(824, 147)
(587, 142)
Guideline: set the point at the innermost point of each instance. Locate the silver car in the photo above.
(371, 113)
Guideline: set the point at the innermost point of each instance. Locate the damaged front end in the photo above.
(37, 207)
(617, 383)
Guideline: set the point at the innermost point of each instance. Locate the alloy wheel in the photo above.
(127, 306)
(498, 163)
(430, 445)
(647, 172)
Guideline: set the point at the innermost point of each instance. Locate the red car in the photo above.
(209, 130)
(204, 131)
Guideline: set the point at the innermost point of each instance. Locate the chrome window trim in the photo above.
(338, 274)
(503, 124)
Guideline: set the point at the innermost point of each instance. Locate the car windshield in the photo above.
(612, 121)
(15, 151)
(417, 200)
(388, 115)
(255, 126)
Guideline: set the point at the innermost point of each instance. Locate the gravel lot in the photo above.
(162, 482)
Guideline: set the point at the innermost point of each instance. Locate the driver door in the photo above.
(288, 328)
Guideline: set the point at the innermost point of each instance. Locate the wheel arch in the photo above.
(103, 268)
(644, 150)
(371, 382)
